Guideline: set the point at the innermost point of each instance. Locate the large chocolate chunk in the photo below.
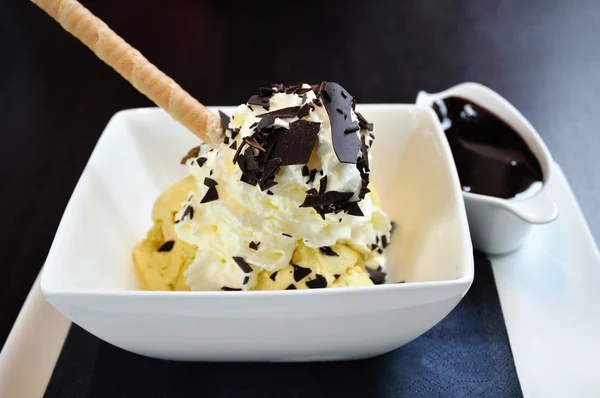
(294, 146)
(339, 109)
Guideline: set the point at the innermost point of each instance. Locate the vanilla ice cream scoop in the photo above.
(293, 169)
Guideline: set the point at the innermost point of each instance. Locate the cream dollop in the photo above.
(244, 217)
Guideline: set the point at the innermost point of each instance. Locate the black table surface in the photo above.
(56, 97)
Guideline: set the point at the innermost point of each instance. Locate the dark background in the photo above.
(56, 97)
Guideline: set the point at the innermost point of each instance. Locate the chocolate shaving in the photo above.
(272, 167)
(362, 122)
(363, 192)
(265, 122)
(253, 245)
(273, 276)
(336, 276)
(300, 272)
(246, 279)
(353, 209)
(305, 171)
(295, 145)
(323, 185)
(373, 246)
(233, 145)
(319, 282)
(211, 194)
(313, 174)
(346, 146)
(192, 153)
(167, 246)
(384, 241)
(328, 198)
(270, 193)
(209, 182)
(282, 113)
(237, 153)
(288, 235)
(200, 161)
(252, 142)
(266, 184)
(249, 160)
(291, 287)
(365, 153)
(249, 179)
(304, 111)
(393, 227)
(234, 133)
(230, 289)
(188, 211)
(260, 101)
(271, 141)
(226, 140)
(303, 90)
(377, 276)
(242, 264)
(266, 91)
(328, 251)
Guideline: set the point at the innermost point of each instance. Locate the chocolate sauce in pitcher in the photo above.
(491, 157)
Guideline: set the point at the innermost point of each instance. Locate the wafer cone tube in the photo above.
(136, 69)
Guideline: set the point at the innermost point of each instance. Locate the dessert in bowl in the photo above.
(234, 247)
(90, 275)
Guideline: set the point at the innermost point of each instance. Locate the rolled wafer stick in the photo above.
(134, 67)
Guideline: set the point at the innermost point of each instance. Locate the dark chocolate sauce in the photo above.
(490, 156)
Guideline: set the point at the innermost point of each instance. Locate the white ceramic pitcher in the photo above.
(499, 225)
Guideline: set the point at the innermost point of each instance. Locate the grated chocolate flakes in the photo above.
(242, 264)
(328, 251)
(300, 272)
(167, 246)
(210, 195)
(319, 282)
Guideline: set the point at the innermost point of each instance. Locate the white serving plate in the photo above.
(550, 296)
(89, 275)
(554, 356)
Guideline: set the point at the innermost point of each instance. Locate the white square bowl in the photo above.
(89, 273)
